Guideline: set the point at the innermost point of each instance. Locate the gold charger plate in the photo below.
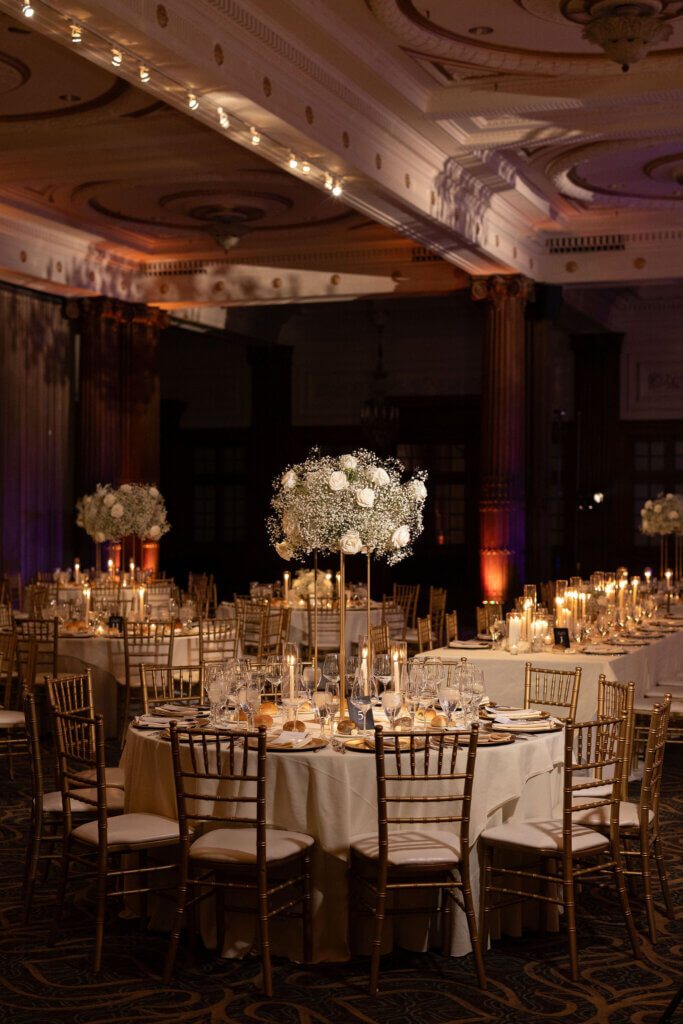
(524, 727)
(496, 739)
(366, 746)
(314, 743)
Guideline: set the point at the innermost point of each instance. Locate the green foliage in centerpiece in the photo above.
(351, 503)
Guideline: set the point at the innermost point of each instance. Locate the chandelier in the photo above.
(627, 31)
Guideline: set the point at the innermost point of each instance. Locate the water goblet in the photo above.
(362, 693)
(449, 698)
(381, 670)
(331, 668)
(392, 701)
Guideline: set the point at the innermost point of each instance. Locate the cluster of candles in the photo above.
(528, 623)
(287, 584)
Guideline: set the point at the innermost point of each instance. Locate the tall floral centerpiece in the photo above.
(132, 510)
(663, 517)
(351, 504)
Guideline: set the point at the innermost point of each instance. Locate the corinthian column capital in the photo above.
(497, 289)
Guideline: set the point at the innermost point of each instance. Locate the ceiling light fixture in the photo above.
(223, 119)
(329, 184)
(627, 31)
(76, 34)
(480, 30)
(116, 58)
(293, 162)
(144, 73)
(255, 137)
(305, 167)
(337, 189)
(27, 10)
(192, 101)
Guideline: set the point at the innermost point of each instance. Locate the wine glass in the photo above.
(392, 701)
(215, 684)
(381, 670)
(362, 692)
(449, 697)
(249, 696)
(276, 670)
(323, 703)
(331, 668)
(332, 690)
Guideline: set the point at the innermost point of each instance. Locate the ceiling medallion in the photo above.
(627, 31)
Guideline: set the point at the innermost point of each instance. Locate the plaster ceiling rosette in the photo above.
(627, 173)
(529, 37)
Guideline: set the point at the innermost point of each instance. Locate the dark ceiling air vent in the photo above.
(561, 245)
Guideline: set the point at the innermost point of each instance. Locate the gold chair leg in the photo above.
(472, 926)
(377, 937)
(646, 871)
(177, 920)
(100, 908)
(61, 890)
(308, 910)
(570, 909)
(625, 906)
(664, 878)
(31, 869)
(264, 938)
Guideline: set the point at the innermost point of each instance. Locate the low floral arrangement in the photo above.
(662, 515)
(356, 502)
(132, 509)
(303, 584)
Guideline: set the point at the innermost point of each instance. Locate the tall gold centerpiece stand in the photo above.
(343, 708)
(315, 618)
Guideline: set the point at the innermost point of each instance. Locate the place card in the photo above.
(561, 637)
(356, 715)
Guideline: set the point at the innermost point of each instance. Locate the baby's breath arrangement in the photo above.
(133, 509)
(351, 503)
(662, 515)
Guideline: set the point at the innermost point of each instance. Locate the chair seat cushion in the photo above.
(419, 847)
(629, 816)
(131, 830)
(238, 845)
(52, 802)
(542, 834)
(8, 719)
(411, 636)
(112, 776)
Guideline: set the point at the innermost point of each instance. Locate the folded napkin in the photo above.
(476, 645)
(290, 739)
(501, 725)
(514, 714)
(153, 721)
(176, 709)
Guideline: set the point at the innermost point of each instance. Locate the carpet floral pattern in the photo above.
(528, 978)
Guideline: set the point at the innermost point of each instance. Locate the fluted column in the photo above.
(501, 508)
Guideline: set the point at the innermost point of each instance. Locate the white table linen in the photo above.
(105, 658)
(331, 796)
(504, 672)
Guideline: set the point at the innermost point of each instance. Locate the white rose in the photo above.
(673, 515)
(153, 492)
(643, 512)
(348, 462)
(87, 499)
(365, 497)
(117, 510)
(284, 550)
(109, 499)
(658, 508)
(288, 523)
(648, 503)
(338, 481)
(378, 476)
(417, 489)
(155, 533)
(669, 495)
(126, 487)
(100, 538)
(288, 480)
(350, 542)
(400, 537)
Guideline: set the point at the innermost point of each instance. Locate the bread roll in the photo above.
(242, 717)
(426, 715)
(438, 722)
(268, 708)
(262, 719)
(403, 725)
(292, 726)
(346, 727)
(306, 706)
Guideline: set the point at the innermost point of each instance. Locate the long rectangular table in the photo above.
(504, 672)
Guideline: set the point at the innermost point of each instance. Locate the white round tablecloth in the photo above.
(105, 659)
(356, 626)
(332, 796)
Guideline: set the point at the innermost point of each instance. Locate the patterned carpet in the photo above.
(528, 979)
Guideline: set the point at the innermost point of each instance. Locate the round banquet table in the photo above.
(105, 658)
(356, 625)
(331, 796)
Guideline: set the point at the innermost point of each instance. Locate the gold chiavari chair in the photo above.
(177, 684)
(437, 613)
(274, 631)
(73, 695)
(394, 617)
(37, 598)
(6, 616)
(13, 740)
(46, 818)
(328, 628)
(569, 852)
(106, 595)
(639, 823)
(79, 741)
(271, 865)
(380, 638)
(45, 633)
(451, 627)
(424, 635)
(552, 688)
(202, 590)
(614, 700)
(406, 596)
(249, 617)
(486, 615)
(422, 838)
(218, 640)
(14, 590)
(144, 643)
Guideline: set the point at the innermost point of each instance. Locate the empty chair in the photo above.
(163, 684)
(144, 643)
(44, 632)
(406, 595)
(328, 628)
(568, 851)
(380, 639)
(394, 616)
(425, 640)
(218, 640)
(422, 837)
(106, 596)
(273, 866)
(13, 740)
(437, 613)
(487, 614)
(105, 840)
(73, 694)
(552, 688)
(451, 627)
(6, 617)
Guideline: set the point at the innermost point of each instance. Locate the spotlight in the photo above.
(116, 58)
(305, 168)
(144, 73)
(293, 162)
(192, 101)
(337, 190)
(76, 34)
(255, 137)
(223, 119)
(329, 184)
(598, 497)
(27, 10)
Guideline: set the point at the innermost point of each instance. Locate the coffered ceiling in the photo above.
(467, 138)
